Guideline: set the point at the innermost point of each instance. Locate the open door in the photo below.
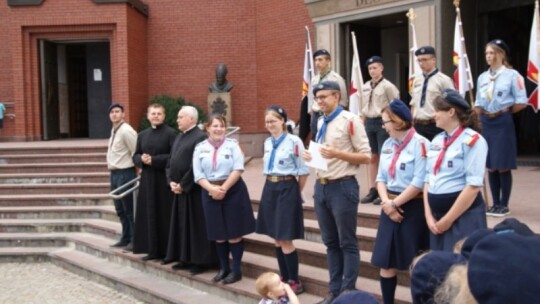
(49, 90)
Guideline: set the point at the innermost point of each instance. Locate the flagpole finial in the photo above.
(411, 15)
(456, 3)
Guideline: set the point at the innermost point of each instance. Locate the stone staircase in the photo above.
(54, 207)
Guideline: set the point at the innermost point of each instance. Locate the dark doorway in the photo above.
(75, 89)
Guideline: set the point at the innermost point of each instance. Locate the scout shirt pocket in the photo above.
(453, 160)
(432, 155)
(284, 158)
(339, 137)
(503, 88)
(405, 164)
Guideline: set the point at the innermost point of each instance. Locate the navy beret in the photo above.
(513, 225)
(116, 105)
(429, 272)
(425, 50)
(500, 43)
(503, 268)
(472, 240)
(454, 98)
(321, 52)
(326, 85)
(374, 59)
(399, 108)
(355, 297)
(278, 110)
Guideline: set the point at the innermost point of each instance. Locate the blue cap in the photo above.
(500, 43)
(326, 85)
(429, 272)
(504, 268)
(473, 239)
(454, 98)
(425, 50)
(399, 108)
(374, 59)
(513, 225)
(355, 297)
(278, 110)
(321, 52)
(116, 105)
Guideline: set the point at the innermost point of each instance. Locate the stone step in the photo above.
(55, 200)
(82, 156)
(54, 167)
(98, 227)
(54, 178)
(62, 212)
(46, 189)
(46, 148)
(25, 254)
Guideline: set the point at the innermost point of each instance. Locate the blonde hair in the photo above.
(278, 116)
(261, 284)
(455, 288)
(500, 52)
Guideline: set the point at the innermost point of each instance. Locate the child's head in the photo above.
(269, 285)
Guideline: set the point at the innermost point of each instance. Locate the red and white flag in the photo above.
(308, 70)
(414, 67)
(462, 75)
(532, 67)
(355, 97)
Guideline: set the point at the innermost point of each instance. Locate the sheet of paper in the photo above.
(317, 161)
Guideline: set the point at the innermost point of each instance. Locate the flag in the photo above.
(355, 97)
(462, 74)
(532, 66)
(308, 69)
(414, 67)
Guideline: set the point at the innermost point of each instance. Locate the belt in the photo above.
(393, 196)
(424, 121)
(495, 114)
(324, 181)
(275, 178)
(218, 182)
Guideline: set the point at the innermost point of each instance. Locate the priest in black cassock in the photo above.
(153, 211)
(188, 242)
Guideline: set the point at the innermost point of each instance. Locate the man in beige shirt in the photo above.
(119, 161)
(345, 146)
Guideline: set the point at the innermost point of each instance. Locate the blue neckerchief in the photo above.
(424, 86)
(275, 145)
(327, 120)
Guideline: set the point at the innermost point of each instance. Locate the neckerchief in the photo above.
(275, 145)
(492, 78)
(398, 149)
(424, 86)
(324, 75)
(327, 120)
(373, 86)
(447, 144)
(216, 146)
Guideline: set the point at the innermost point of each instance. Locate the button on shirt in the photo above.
(382, 94)
(288, 159)
(229, 158)
(345, 133)
(508, 89)
(436, 85)
(410, 165)
(462, 165)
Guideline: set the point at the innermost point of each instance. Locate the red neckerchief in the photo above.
(404, 143)
(445, 146)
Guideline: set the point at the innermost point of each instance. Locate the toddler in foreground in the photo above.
(274, 291)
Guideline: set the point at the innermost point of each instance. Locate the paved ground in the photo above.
(47, 283)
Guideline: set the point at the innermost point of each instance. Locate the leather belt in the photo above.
(495, 114)
(424, 121)
(325, 181)
(218, 182)
(393, 196)
(275, 178)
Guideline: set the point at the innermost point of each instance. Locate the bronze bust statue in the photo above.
(221, 85)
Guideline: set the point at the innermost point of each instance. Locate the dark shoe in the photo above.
(181, 266)
(377, 201)
(196, 269)
(501, 211)
(119, 244)
(370, 197)
(165, 261)
(328, 299)
(296, 287)
(232, 277)
(492, 210)
(149, 257)
(128, 248)
(222, 274)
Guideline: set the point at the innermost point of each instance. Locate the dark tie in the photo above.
(424, 87)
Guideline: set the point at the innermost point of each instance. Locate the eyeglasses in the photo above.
(385, 122)
(321, 97)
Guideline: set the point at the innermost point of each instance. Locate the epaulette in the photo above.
(296, 150)
(471, 141)
(424, 149)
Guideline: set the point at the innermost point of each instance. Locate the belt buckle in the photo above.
(274, 179)
(323, 181)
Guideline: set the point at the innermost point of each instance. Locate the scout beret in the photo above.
(513, 225)
(326, 85)
(116, 105)
(500, 43)
(354, 297)
(454, 98)
(321, 52)
(429, 272)
(279, 110)
(503, 268)
(399, 108)
(425, 50)
(472, 240)
(374, 59)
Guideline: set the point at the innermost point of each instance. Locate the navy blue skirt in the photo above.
(280, 212)
(470, 221)
(231, 217)
(500, 135)
(398, 243)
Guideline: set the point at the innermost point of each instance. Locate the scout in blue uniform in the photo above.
(280, 212)
(501, 92)
(402, 229)
(453, 205)
(218, 163)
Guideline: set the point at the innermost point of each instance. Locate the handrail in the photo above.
(129, 191)
(232, 131)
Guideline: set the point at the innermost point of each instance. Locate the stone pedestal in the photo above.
(220, 103)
